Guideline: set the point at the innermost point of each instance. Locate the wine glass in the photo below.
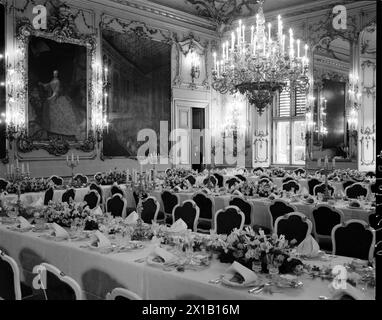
(256, 266)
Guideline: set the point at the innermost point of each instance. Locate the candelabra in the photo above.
(72, 163)
(16, 176)
(326, 170)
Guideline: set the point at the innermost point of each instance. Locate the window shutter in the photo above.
(300, 103)
(284, 104)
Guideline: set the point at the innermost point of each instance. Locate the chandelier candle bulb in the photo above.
(252, 30)
(298, 48)
(306, 51)
(232, 43)
(243, 36)
(269, 32)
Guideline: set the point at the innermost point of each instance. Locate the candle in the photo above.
(279, 26)
(72, 157)
(334, 163)
(238, 36)
(252, 30)
(319, 163)
(255, 44)
(67, 159)
(28, 171)
(269, 31)
(78, 159)
(283, 44)
(326, 161)
(232, 41)
(298, 48)
(223, 47)
(306, 51)
(215, 63)
(243, 36)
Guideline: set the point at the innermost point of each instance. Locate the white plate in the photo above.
(225, 280)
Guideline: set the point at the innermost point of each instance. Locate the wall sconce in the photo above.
(353, 122)
(100, 102)
(195, 66)
(354, 93)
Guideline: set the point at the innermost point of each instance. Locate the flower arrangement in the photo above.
(65, 214)
(265, 189)
(108, 178)
(179, 172)
(176, 181)
(246, 246)
(29, 185)
(278, 172)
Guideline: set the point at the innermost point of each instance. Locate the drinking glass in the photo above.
(256, 266)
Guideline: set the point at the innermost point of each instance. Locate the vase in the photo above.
(264, 264)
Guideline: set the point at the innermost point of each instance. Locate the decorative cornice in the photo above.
(169, 13)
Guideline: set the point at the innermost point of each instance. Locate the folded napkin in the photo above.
(248, 275)
(165, 255)
(305, 191)
(59, 231)
(97, 211)
(178, 226)
(131, 218)
(23, 223)
(348, 289)
(99, 240)
(206, 190)
(238, 193)
(38, 203)
(308, 247)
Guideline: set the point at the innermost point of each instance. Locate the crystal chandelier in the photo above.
(261, 66)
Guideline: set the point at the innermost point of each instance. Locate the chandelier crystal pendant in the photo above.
(260, 67)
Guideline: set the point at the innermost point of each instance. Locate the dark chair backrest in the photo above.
(288, 186)
(81, 177)
(347, 183)
(241, 177)
(58, 181)
(325, 219)
(205, 205)
(48, 195)
(191, 179)
(228, 219)
(266, 177)
(321, 189)
(258, 169)
(355, 239)
(356, 190)
(3, 184)
(188, 212)
(370, 174)
(293, 226)
(169, 200)
(67, 195)
(279, 208)
(231, 182)
(9, 279)
(300, 171)
(212, 180)
(220, 179)
(373, 188)
(92, 199)
(150, 209)
(115, 205)
(375, 221)
(287, 179)
(116, 189)
(244, 206)
(97, 188)
(311, 184)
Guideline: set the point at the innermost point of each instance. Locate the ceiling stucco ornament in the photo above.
(223, 12)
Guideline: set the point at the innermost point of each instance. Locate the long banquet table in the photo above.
(260, 208)
(99, 273)
(260, 205)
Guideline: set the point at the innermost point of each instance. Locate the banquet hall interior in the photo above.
(188, 149)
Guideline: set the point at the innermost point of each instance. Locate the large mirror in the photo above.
(330, 131)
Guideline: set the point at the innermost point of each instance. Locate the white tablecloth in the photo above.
(98, 273)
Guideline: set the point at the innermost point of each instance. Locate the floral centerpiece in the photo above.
(265, 189)
(108, 178)
(29, 185)
(65, 214)
(278, 172)
(246, 247)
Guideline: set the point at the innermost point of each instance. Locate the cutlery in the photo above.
(140, 260)
(218, 280)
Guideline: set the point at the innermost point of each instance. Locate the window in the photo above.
(289, 128)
